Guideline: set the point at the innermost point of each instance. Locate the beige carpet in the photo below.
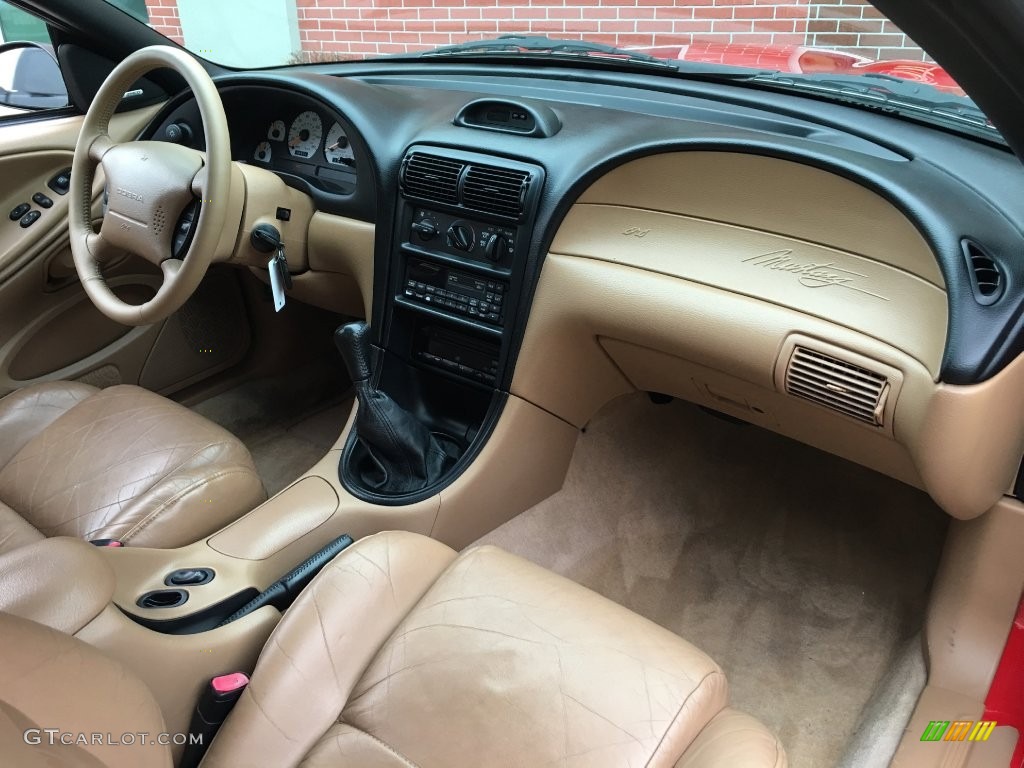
(801, 574)
(287, 422)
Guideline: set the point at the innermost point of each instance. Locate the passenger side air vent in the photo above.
(837, 384)
(432, 177)
(986, 277)
(495, 190)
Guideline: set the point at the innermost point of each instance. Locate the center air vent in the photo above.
(432, 177)
(472, 186)
(495, 190)
(836, 384)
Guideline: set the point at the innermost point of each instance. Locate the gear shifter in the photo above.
(393, 452)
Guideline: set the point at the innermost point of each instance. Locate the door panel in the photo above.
(49, 329)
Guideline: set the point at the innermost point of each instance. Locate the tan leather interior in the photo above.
(61, 582)
(693, 274)
(509, 644)
(269, 541)
(176, 668)
(352, 675)
(120, 463)
(38, 662)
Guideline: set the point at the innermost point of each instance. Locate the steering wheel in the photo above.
(149, 185)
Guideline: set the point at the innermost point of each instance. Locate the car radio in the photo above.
(436, 285)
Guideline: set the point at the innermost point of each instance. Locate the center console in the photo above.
(455, 274)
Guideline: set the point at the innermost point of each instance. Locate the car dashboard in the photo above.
(842, 277)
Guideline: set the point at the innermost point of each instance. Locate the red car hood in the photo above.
(800, 59)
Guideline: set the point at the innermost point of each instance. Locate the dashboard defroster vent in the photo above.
(432, 177)
(837, 384)
(495, 190)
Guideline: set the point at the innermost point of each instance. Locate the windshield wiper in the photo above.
(540, 46)
(887, 93)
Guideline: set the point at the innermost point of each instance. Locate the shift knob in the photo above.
(353, 342)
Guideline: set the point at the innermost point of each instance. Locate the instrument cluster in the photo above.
(311, 146)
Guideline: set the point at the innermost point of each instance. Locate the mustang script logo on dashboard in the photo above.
(810, 274)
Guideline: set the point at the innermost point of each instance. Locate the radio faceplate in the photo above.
(445, 288)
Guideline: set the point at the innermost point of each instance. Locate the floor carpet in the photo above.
(802, 575)
(287, 422)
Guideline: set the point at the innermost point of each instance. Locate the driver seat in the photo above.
(120, 463)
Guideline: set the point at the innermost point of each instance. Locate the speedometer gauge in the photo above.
(305, 134)
(338, 149)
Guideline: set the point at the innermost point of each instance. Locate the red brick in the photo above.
(712, 13)
(450, 26)
(882, 41)
(465, 13)
(731, 26)
(817, 25)
(773, 26)
(753, 12)
(530, 13)
(618, 26)
(791, 11)
(490, 27)
(435, 38)
(564, 13)
(678, 12)
(581, 26)
(836, 40)
(547, 26)
(635, 40)
(692, 27)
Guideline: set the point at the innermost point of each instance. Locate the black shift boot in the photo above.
(394, 452)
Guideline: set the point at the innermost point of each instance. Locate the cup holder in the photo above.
(163, 598)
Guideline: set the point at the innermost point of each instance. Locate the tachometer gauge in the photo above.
(338, 150)
(263, 152)
(276, 131)
(305, 134)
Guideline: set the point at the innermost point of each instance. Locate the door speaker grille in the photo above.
(836, 384)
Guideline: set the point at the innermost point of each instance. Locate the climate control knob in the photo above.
(495, 247)
(461, 236)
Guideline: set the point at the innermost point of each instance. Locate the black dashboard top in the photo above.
(951, 187)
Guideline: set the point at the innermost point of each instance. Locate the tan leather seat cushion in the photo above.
(485, 660)
(120, 463)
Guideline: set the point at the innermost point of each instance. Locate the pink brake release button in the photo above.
(114, 544)
(228, 683)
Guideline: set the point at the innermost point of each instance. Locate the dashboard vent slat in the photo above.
(836, 384)
(432, 177)
(495, 190)
(986, 275)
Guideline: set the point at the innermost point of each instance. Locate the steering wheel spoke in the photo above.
(100, 147)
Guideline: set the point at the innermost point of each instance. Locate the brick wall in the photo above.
(163, 17)
(357, 28)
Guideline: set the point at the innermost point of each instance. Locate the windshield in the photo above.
(847, 38)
